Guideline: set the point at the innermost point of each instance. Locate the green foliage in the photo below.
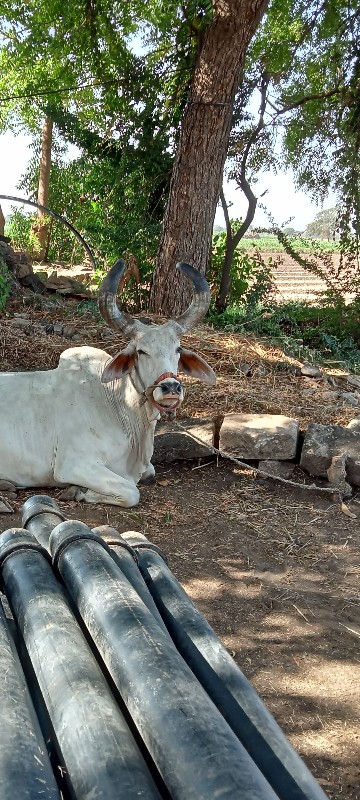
(251, 275)
(4, 284)
(116, 117)
(20, 229)
(110, 209)
(309, 55)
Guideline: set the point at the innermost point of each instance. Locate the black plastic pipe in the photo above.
(195, 750)
(224, 682)
(40, 515)
(101, 757)
(126, 558)
(25, 771)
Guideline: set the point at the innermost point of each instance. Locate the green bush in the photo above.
(19, 229)
(251, 275)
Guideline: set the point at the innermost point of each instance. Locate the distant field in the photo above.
(293, 282)
(271, 244)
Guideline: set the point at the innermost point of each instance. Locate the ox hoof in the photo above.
(73, 493)
(149, 475)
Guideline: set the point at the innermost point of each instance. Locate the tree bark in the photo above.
(2, 222)
(42, 227)
(202, 149)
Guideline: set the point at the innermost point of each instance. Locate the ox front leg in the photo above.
(128, 499)
(98, 484)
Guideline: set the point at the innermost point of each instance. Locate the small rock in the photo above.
(5, 507)
(261, 370)
(245, 369)
(354, 425)
(69, 493)
(68, 332)
(77, 338)
(337, 474)
(45, 326)
(58, 328)
(310, 370)
(323, 442)
(330, 395)
(22, 323)
(279, 469)
(107, 333)
(173, 444)
(353, 380)
(350, 398)
(21, 316)
(308, 391)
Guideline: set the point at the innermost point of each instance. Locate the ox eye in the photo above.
(142, 353)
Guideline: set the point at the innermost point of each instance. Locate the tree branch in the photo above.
(226, 212)
(233, 240)
(244, 183)
(306, 99)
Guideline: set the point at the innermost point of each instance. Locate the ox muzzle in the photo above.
(166, 394)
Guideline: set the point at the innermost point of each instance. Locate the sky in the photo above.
(281, 199)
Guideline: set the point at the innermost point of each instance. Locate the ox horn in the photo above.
(109, 309)
(201, 300)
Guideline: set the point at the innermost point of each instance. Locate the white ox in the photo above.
(89, 424)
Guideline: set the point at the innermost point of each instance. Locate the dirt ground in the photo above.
(275, 570)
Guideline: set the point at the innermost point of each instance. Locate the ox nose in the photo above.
(171, 387)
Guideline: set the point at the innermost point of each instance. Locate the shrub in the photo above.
(251, 274)
(19, 229)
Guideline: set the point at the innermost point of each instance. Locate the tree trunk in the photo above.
(202, 149)
(42, 227)
(225, 283)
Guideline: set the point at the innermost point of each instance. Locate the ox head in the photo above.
(154, 356)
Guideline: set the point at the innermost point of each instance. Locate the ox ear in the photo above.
(194, 365)
(120, 365)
